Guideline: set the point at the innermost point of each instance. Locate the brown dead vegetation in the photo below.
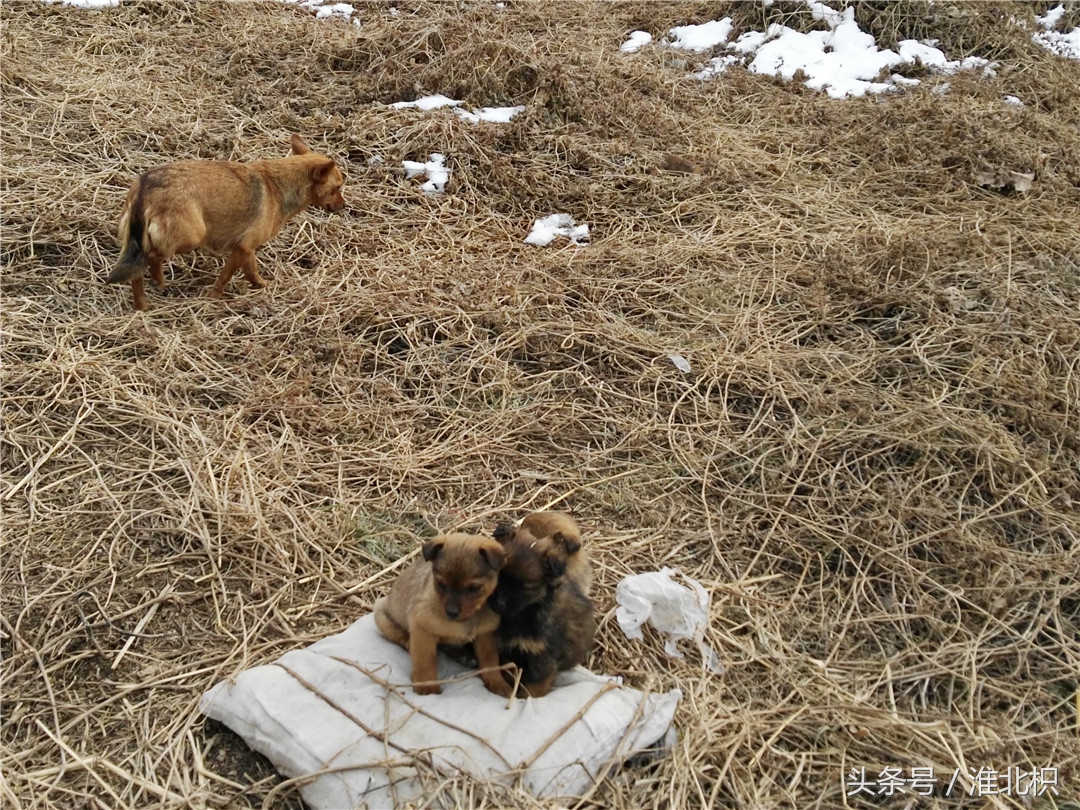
(872, 465)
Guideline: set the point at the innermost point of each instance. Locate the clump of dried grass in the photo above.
(871, 464)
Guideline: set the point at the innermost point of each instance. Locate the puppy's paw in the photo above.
(496, 683)
(427, 688)
(534, 689)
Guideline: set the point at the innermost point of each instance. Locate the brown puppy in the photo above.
(563, 539)
(443, 600)
(225, 207)
(547, 620)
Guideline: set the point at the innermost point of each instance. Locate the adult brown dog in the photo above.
(226, 207)
(443, 600)
(547, 620)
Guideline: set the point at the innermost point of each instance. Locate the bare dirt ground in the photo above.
(871, 465)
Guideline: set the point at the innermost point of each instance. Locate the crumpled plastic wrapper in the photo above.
(674, 610)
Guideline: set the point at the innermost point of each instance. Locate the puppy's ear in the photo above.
(298, 145)
(432, 548)
(494, 556)
(554, 568)
(504, 533)
(571, 544)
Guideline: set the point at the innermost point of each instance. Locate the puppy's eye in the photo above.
(440, 586)
(473, 589)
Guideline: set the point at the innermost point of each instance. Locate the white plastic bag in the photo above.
(676, 611)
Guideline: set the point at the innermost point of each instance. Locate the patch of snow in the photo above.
(91, 4)
(904, 81)
(495, 115)
(843, 60)
(750, 41)
(1065, 44)
(912, 51)
(323, 9)
(924, 53)
(499, 115)
(701, 37)
(716, 66)
(436, 172)
(334, 10)
(544, 231)
(427, 103)
(1014, 101)
(637, 41)
(1049, 20)
(831, 17)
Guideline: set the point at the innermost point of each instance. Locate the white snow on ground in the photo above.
(830, 16)
(495, 115)
(700, 37)
(334, 10)
(926, 54)
(1050, 19)
(498, 115)
(90, 4)
(1063, 44)
(637, 41)
(544, 231)
(427, 103)
(436, 172)
(842, 59)
(717, 66)
(323, 9)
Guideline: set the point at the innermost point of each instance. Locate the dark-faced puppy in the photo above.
(562, 539)
(547, 621)
(443, 600)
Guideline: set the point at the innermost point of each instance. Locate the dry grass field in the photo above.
(872, 465)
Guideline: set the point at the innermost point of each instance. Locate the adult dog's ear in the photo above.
(432, 548)
(298, 145)
(571, 544)
(494, 556)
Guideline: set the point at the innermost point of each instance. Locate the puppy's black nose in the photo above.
(452, 612)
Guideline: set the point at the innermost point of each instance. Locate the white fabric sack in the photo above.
(344, 705)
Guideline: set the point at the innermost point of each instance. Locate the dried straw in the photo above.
(871, 465)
